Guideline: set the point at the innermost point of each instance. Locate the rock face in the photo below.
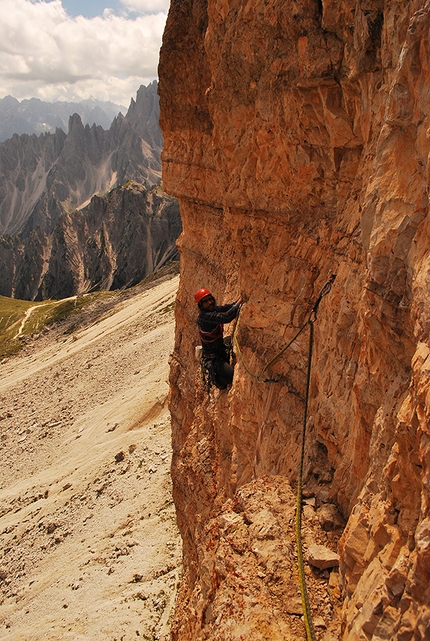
(296, 139)
(42, 175)
(112, 243)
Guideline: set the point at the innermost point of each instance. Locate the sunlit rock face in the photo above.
(296, 139)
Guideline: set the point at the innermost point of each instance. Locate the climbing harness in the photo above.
(310, 632)
(208, 370)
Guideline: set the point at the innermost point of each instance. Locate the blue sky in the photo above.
(90, 8)
(77, 49)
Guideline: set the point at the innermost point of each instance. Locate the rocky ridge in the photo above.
(112, 243)
(296, 139)
(44, 176)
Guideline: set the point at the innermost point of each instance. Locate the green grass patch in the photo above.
(20, 318)
(12, 313)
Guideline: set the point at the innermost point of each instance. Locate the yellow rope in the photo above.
(307, 615)
(310, 632)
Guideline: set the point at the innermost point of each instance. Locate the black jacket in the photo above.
(210, 325)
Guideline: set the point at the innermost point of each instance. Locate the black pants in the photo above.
(223, 373)
(218, 364)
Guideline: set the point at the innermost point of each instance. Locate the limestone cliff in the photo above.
(297, 141)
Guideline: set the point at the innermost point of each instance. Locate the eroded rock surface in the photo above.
(113, 243)
(296, 139)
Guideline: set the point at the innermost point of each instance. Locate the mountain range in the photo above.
(36, 116)
(81, 210)
(44, 176)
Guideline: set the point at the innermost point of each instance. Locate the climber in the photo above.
(215, 353)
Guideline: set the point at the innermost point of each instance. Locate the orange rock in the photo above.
(296, 138)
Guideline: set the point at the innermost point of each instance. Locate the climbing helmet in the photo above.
(201, 294)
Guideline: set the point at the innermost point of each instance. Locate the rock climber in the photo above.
(211, 321)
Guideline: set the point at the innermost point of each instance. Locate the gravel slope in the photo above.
(88, 542)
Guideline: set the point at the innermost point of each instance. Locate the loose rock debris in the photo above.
(78, 522)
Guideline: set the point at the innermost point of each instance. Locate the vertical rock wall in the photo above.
(296, 139)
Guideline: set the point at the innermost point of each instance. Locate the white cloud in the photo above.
(47, 54)
(146, 6)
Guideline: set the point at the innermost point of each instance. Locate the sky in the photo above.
(77, 49)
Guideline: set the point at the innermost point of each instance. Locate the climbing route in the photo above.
(307, 615)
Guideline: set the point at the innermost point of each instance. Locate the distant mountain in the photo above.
(42, 177)
(112, 243)
(84, 210)
(35, 116)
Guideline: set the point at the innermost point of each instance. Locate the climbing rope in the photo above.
(258, 377)
(310, 632)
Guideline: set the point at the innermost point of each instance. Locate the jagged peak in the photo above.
(86, 160)
(10, 100)
(75, 122)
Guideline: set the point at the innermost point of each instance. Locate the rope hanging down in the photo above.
(310, 632)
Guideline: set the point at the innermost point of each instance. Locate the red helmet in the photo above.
(200, 294)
